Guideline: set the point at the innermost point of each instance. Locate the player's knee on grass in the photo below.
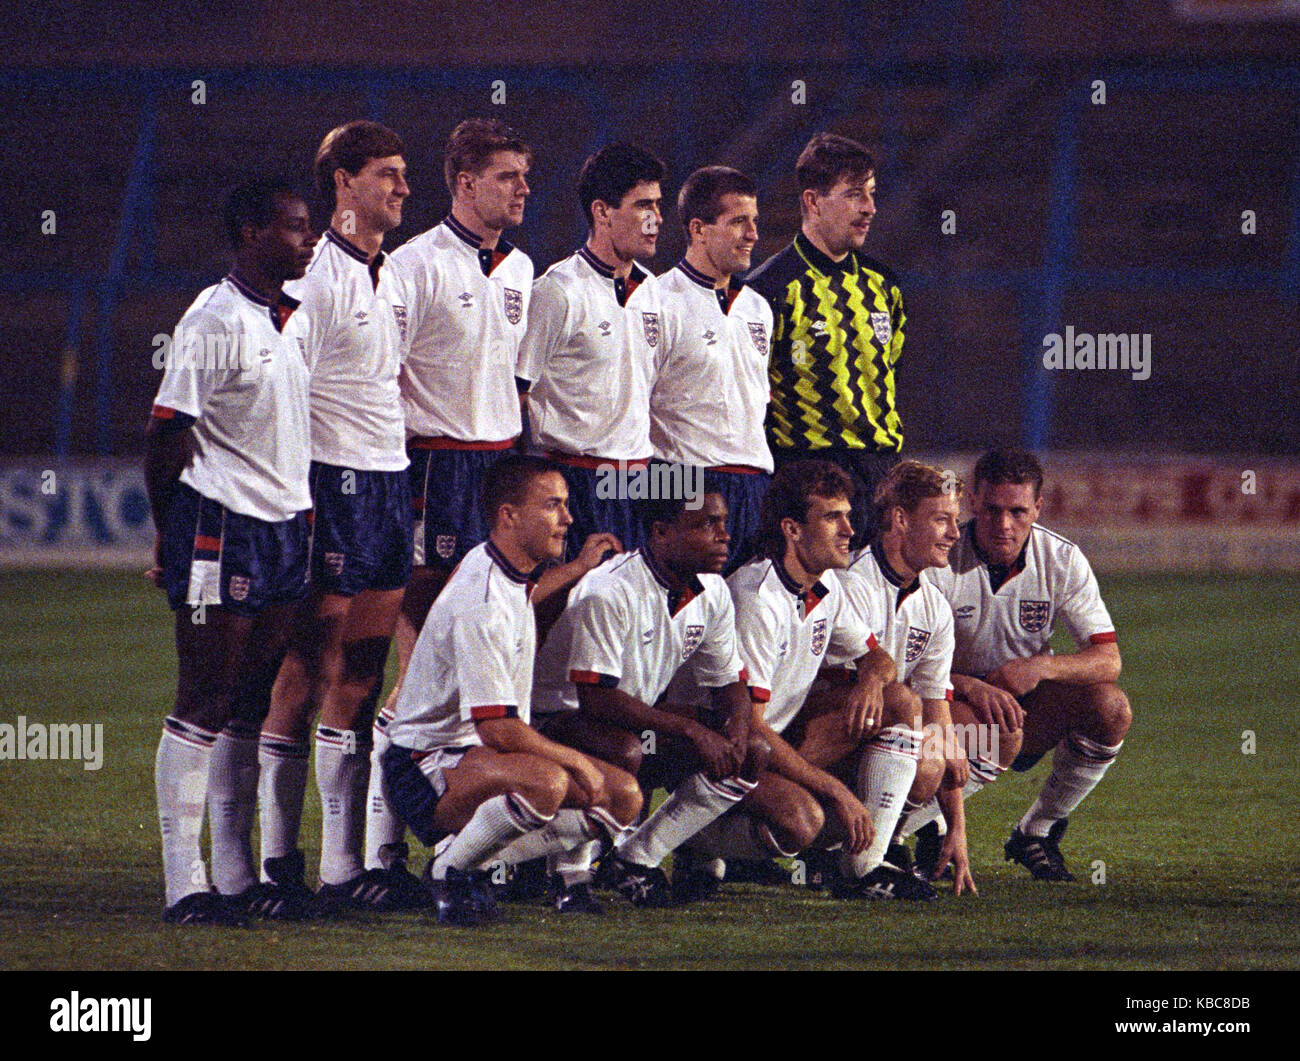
(1111, 713)
(929, 773)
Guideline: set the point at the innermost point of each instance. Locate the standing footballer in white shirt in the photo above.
(711, 386)
(1010, 580)
(361, 530)
(595, 325)
(463, 757)
(467, 307)
(226, 469)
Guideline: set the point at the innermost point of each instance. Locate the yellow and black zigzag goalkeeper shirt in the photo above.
(837, 336)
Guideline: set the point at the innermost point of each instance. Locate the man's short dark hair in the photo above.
(613, 171)
(507, 481)
(473, 143)
(789, 495)
(907, 484)
(1007, 465)
(350, 146)
(254, 202)
(659, 510)
(701, 195)
(827, 158)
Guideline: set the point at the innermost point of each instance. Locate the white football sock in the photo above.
(1077, 766)
(692, 805)
(232, 803)
(885, 775)
(496, 822)
(567, 830)
(342, 777)
(383, 827)
(281, 788)
(181, 782)
(574, 865)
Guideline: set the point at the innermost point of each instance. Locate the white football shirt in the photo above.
(623, 627)
(1014, 619)
(709, 399)
(245, 383)
(474, 657)
(915, 622)
(466, 311)
(589, 353)
(356, 312)
(784, 635)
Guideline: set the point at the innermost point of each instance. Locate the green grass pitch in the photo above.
(1197, 837)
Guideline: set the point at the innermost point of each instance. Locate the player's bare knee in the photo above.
(929, 773)
(625, 798)
(1112, 715)
(1009, 744)
(542, 786)
(902, 706)
(801, 819)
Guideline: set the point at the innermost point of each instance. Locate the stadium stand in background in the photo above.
(1122, 217)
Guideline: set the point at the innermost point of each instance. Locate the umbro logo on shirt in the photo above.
(605, 327)
(465, 299)
(360, 316)
(647, 636)
(964, 612)
(710, 338)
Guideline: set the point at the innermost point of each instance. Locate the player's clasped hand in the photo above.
(856, 820)
(866, 709)
(721, 757)
(995, 706)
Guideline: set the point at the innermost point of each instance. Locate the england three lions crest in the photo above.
(916, 642)
(880, 325)
(758, 333)
(818, 645)
(1034, 614)
(514, 305)
(694, 635)
(650, 321)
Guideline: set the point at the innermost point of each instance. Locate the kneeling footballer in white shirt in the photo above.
(464, 758)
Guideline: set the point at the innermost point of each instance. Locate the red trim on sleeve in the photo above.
(206, 541)
(872, 643)
(1107, 638)
(590, 677)
(487, 711)
(161, 412)
(759, 696)
(947, 695)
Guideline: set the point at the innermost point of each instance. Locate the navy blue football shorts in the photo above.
(217, 557)
(597, 502)
(446, 480)
(361, 530)
(743, 490)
